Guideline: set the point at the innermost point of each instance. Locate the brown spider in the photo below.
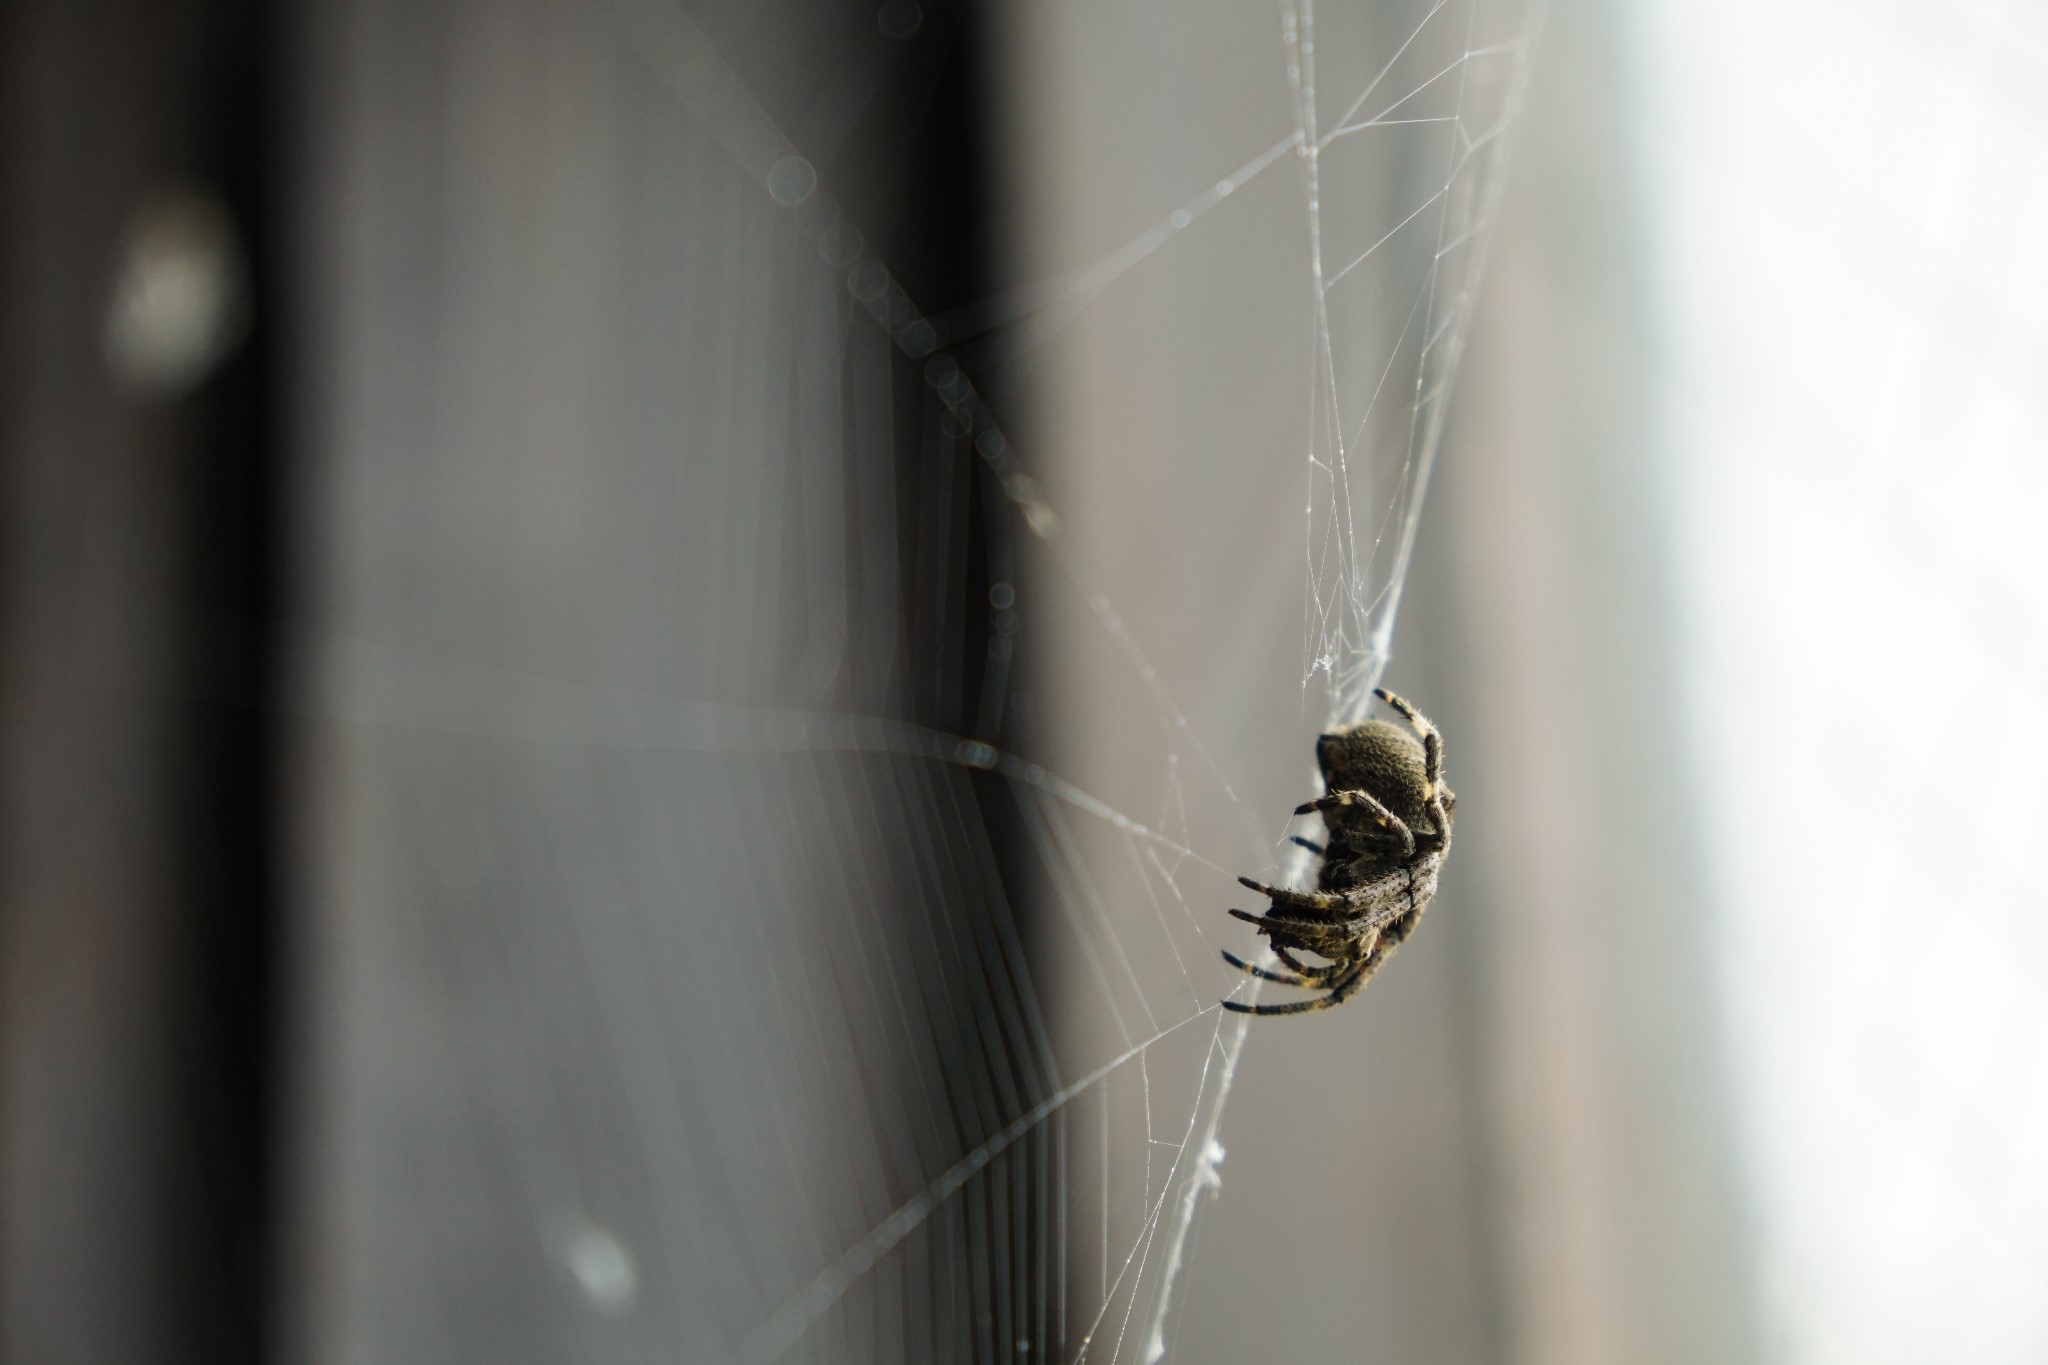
(1388, 814)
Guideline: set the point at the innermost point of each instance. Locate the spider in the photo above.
(1388, 815)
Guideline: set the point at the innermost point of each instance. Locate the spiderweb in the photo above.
(788, 973)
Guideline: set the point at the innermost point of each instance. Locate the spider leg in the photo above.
(1307, 900)
(1294, 929)
(1391, 828)
(1373, 917)
(1285, 924)
(1432, 742)
(1310, 845)
(1352, 984)
(1440, 814)
(1314, 974)
(1269, 924)
(1262, 974)
(1349, 985)
(1343, 991)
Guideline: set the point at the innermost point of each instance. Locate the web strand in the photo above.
(1364, 487)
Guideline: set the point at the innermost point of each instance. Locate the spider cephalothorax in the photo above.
(1388, 815)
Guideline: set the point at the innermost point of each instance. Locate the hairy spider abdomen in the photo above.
(1387, 814)
(1382, 758)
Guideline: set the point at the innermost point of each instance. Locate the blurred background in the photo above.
(642, 640)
